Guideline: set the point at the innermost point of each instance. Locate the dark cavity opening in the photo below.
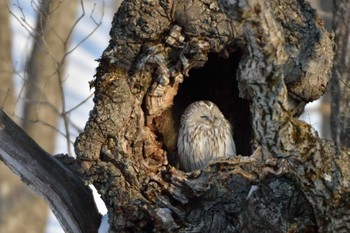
(215, 81)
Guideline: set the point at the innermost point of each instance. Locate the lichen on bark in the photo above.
(283, 56)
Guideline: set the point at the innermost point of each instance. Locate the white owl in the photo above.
(204, 135)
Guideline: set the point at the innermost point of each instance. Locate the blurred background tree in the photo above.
(38, 104)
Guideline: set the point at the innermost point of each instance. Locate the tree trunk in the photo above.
(7, 92)
(340, 84)
(44, 86)
(260, 62)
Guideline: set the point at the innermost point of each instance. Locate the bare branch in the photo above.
(60, 187)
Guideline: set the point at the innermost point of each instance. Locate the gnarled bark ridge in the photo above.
(268, 57)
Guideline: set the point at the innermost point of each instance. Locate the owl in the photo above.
(204, 134)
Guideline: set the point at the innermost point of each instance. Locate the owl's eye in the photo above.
(204, 117)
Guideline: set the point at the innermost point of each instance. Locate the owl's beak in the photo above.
(214, 121)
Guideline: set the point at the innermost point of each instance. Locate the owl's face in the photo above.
(207, 114)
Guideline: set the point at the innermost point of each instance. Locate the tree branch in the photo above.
(71, 201)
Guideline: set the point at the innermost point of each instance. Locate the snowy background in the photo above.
(81, 66)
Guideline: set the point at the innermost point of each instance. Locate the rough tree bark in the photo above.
(165, 54)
